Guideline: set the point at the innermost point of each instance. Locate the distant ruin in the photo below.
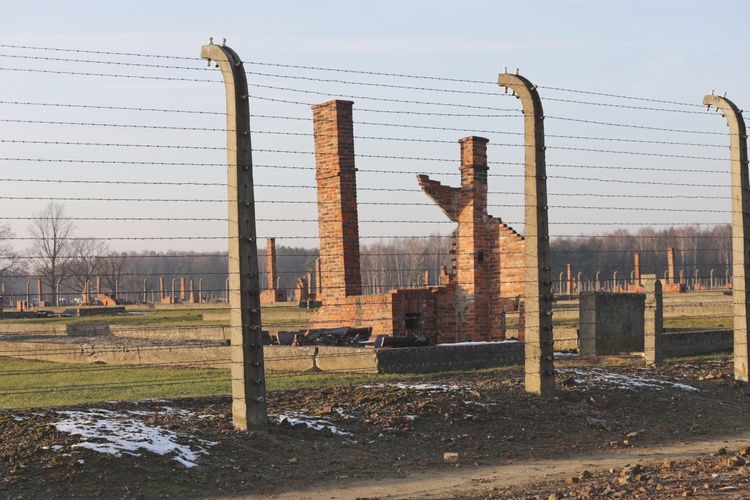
(273, 293)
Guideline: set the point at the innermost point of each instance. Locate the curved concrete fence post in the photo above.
(539, 363)
(248, 381)
(740, 227)
(653, 325)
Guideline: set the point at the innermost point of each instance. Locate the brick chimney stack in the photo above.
(338, 219)
(637, 270)
(473, 242)
(271, 263)
(670, 265)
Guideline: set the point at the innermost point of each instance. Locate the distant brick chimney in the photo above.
(670, 265)
(338, 223)
(271, 263)
(637, 269)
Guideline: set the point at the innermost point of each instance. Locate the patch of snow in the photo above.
(315, 423)
(620, 381)
(183, 414)
(116, 433)
(342, 414)
(141, 413)
(509, 341)
(566, 354)
(418, 387)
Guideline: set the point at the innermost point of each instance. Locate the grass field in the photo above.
(38, 384)
(276, 316)
(25, 384)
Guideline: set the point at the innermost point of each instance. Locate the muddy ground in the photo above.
(319, 439)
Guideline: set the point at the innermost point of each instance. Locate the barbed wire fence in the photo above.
(134, 147)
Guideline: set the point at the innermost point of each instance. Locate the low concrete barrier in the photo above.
(277, 358)
(347, 359)
(450, 357)
(692, 342)
(112, 353)
(217, 333)
(283, 358)
(157, 332)
(446, 357)
(33, 329)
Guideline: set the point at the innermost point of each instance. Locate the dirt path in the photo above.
(467, 481)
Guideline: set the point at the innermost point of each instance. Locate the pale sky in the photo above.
(675, 51)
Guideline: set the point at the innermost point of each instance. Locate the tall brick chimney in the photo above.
(338, 220)
(670, 265)
(637, 269)
(473, 245)
(271, 263)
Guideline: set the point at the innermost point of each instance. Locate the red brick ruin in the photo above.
(486, 276)
(488, 256)
(636, 286)
(672, 285)
(570, 285)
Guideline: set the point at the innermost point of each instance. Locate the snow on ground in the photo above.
(116, 433)
(620, 381)
(508, 341)
(315, 423)
(418, 387)
(559, 354)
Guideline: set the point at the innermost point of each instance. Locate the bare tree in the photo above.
(87, 260)
(10, 259)
(51, 231)
(114, 266)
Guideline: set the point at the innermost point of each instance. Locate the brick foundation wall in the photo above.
(411, 311)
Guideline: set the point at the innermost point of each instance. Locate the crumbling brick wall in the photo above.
(488, 256)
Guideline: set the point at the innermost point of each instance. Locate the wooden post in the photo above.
(248, 380)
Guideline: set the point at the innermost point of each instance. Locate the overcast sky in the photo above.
(675, 51)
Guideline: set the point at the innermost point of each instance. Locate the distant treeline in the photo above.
(698, 252)
(399, 263)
